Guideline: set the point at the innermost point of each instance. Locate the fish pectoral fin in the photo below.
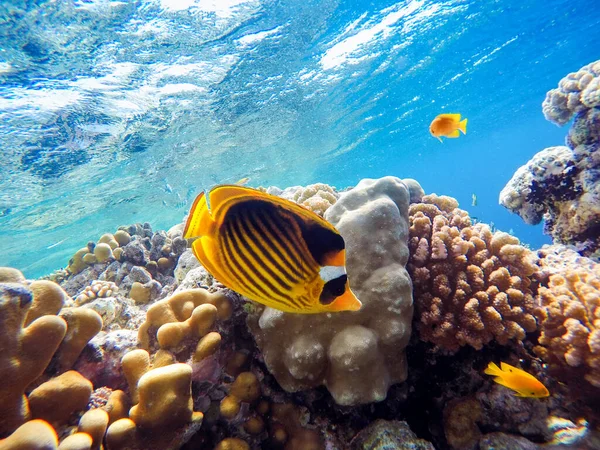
(440, 139)
(502, 382)
(199, 221)
(454, 134)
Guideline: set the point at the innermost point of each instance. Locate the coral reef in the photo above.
(357, 356)
(570, 326)
(562, 184)
(388, 434)
(151, 352)
(577, 92)
(316, 197)
(471, 286)
(26, 352)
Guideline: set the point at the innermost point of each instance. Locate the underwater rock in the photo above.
(503, 441)
(187, 261)
(356, 355)
(100, 361)
(388, 435)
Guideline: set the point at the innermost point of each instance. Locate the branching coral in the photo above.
(356, 355)
(576, 92)
(470, 286)
(569, 317)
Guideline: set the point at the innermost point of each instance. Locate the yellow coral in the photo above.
(26, 352)
(56, 399)
(165, 398)
(179, 308)
(32, 435)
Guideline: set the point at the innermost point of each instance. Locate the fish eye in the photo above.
(333, 289)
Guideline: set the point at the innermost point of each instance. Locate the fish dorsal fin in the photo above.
(516, 371)
(228, 194)
(453, 117)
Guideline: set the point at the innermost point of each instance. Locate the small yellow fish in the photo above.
(271, 250)
(447, 125)
(525, 384)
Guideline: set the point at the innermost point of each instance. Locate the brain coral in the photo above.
(356, 355)
(569, 317)
(471, 286)
(576, 92)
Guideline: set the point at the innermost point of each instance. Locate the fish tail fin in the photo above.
(200, 221)
(493, 369)
(462, 126)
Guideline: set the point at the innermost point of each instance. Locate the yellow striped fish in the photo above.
(271, 250)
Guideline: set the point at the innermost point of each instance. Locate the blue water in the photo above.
(120, 112)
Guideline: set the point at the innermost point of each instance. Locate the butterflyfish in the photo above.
(271, 250)
(448, 125)
(523, 383)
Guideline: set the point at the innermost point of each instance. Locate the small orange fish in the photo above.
(523, 383)
(447, 125)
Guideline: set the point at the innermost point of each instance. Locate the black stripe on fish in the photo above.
(267, 246)
(333, 289)
(258, 253)
(271, 292)
(280, 235)
(236, 272)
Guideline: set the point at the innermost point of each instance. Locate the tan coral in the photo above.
(471, 286)
(96, 289)
(94, 423)
(570, 326)
(56, 399)
(11, 275)
(77, 441)
(82, 325)
(316, 197)
(32, 435)
(48, 298)
(165, 398)
(26, 352)
(179, 308)
(245, 388)
(232, 444)
(117, 406)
